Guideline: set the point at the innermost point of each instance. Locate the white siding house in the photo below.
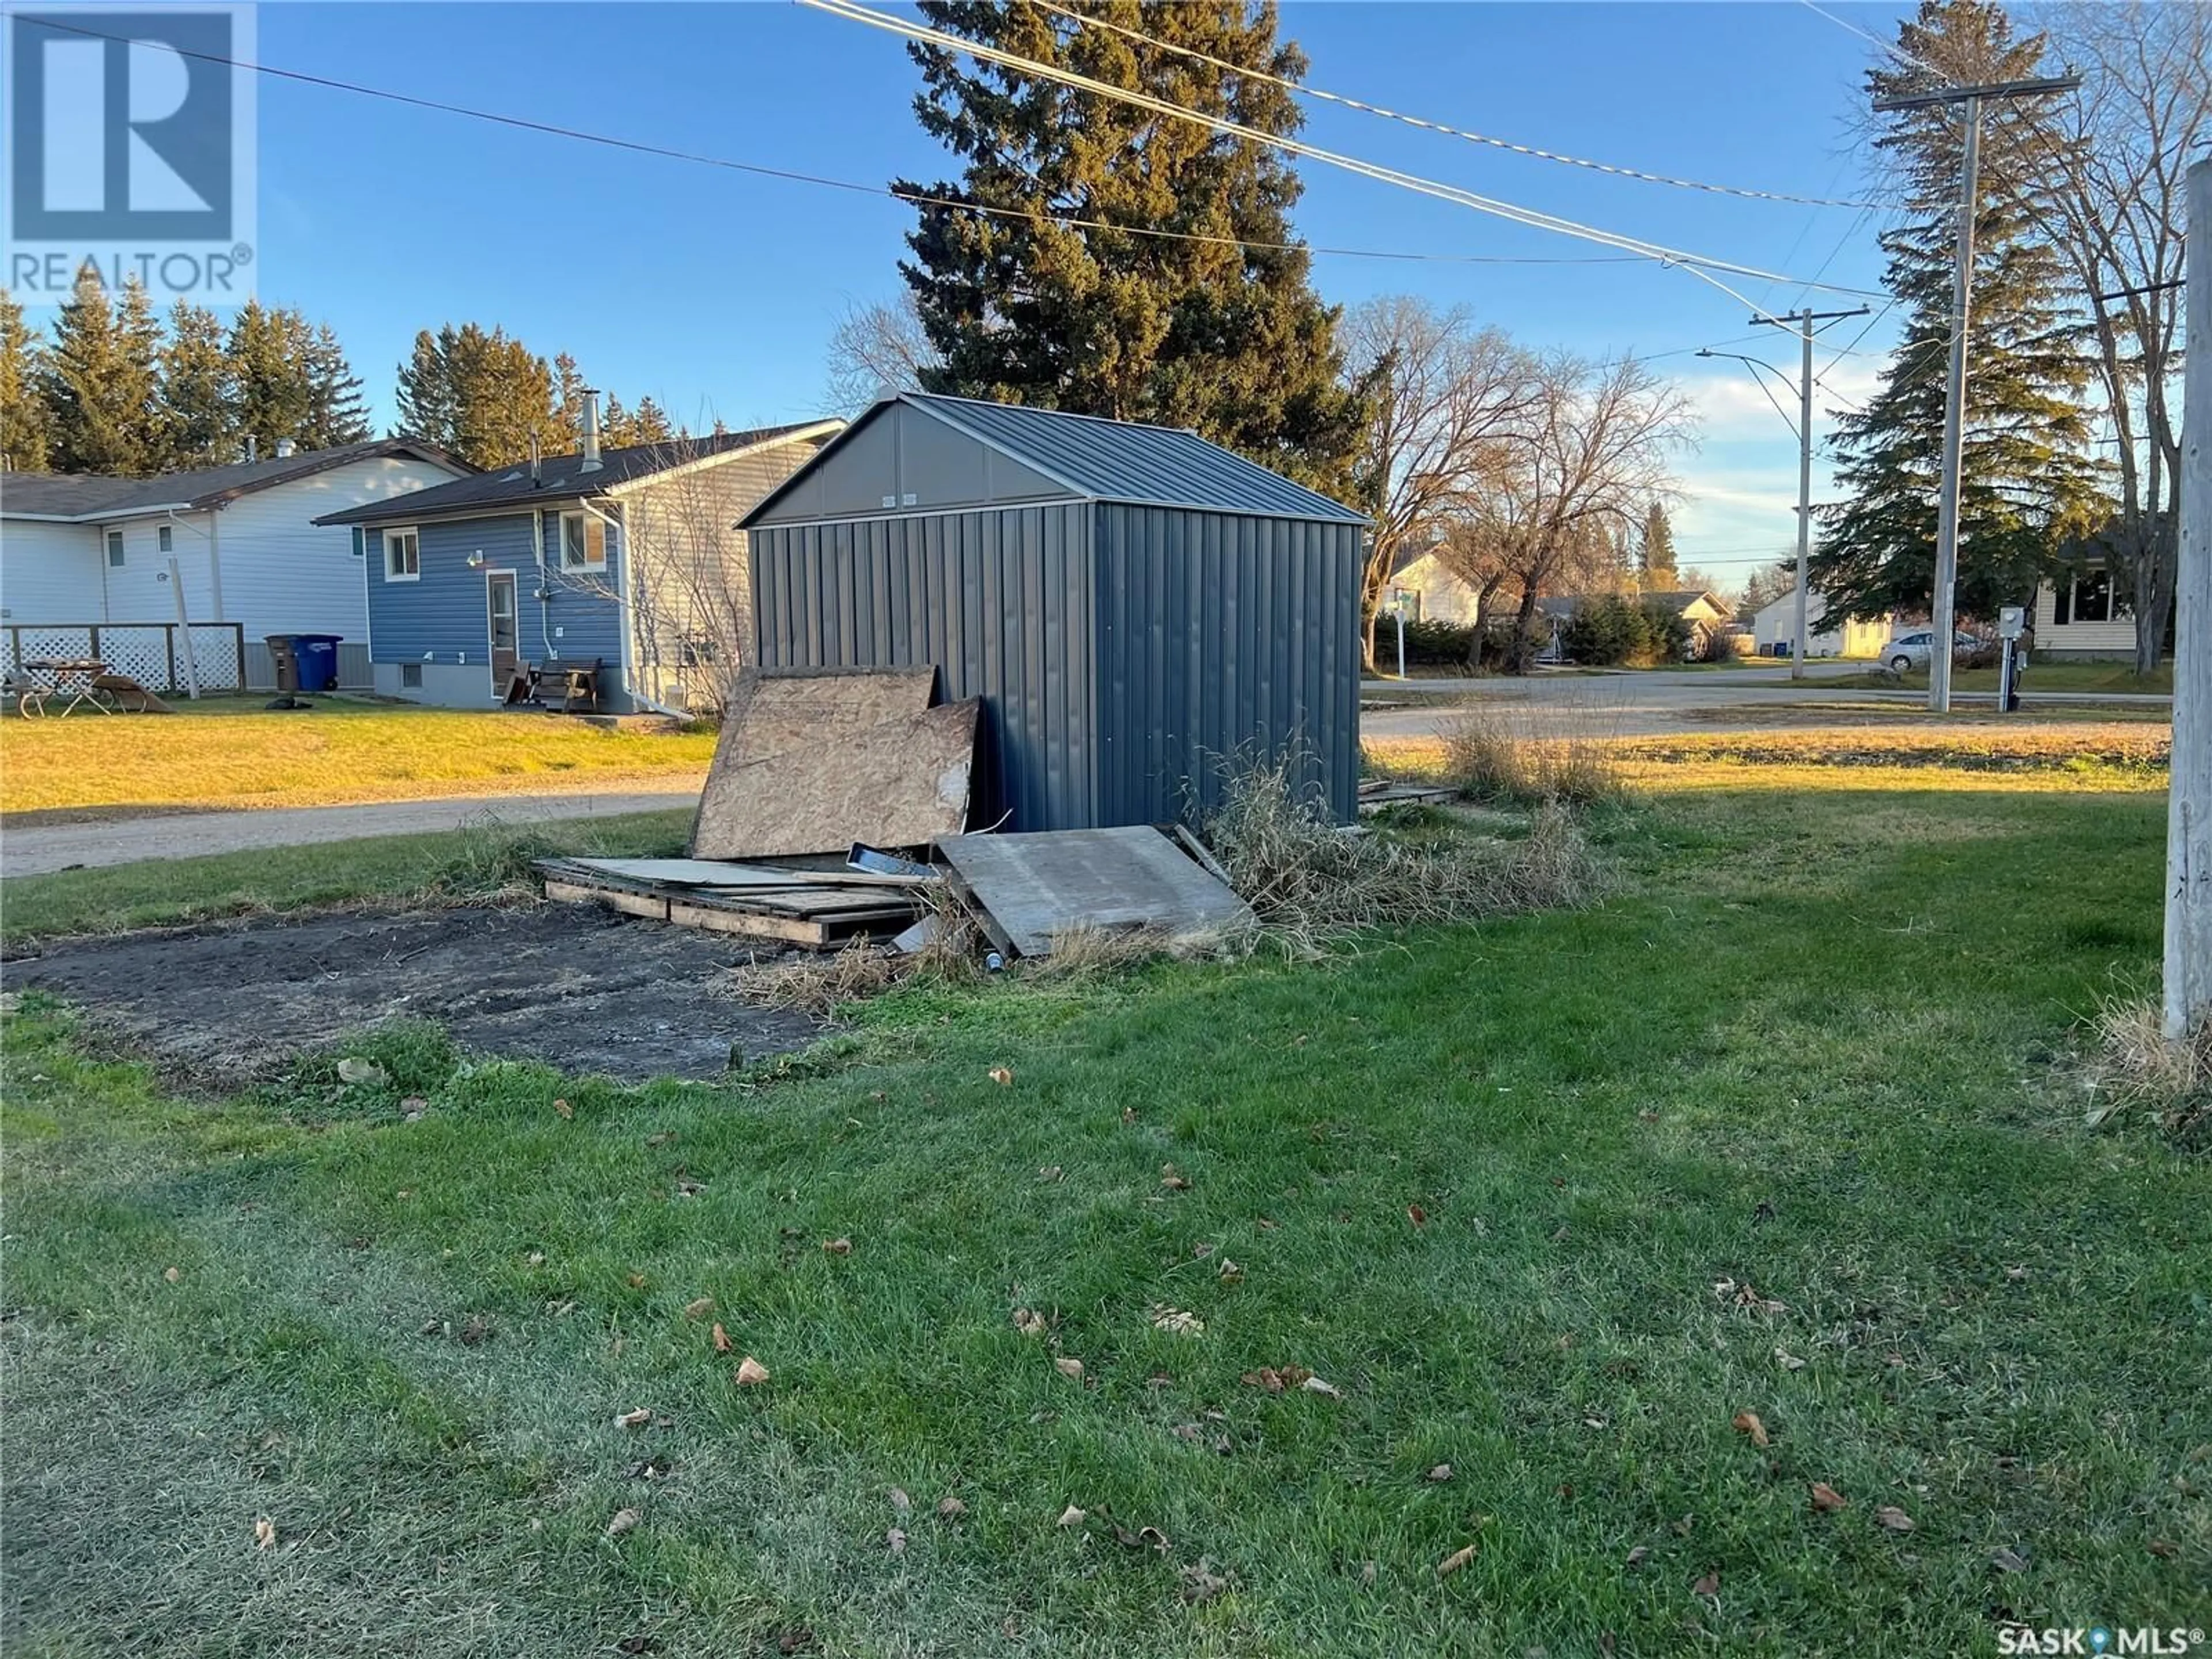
(1774, 630)
(78, 551)
(2080, 616)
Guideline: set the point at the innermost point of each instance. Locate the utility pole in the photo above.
(1945, 622)
(2189, 780)
(1806, 322)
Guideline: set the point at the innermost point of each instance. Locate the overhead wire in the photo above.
(1304, 89)
(920, 199)
(1701, 266)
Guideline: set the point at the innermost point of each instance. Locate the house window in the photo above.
(411, 677)
(403, 555)
(167, 539)
(697, 651)
(2093, 597)
(583, 542)
(115, 550)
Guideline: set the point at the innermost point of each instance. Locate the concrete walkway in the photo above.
(37, 849)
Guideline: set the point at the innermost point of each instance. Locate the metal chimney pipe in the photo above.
(285, 447)
(591, 429)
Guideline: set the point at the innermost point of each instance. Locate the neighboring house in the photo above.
(1705, 612)
(626, 558)
(2080, 616)
(80, 551)
(1432, 593)
(1774, 630)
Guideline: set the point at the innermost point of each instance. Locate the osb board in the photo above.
(899, 783)
(718, 872)
(1032, 888)
(774, 713)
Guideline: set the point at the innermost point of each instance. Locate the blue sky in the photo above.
(715, 291)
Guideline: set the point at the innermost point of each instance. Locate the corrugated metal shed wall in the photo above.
(999, 600)
(1222, 636)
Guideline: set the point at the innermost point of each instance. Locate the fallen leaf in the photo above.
(1749, 1423)
(413, 1106)
(1892, 1519)
(687, 1187)
(950, 1509)
(1708, 1585)
(1201, 1583)
(264, 1534)
(1367, 1573)
(1417, 1215)
(623, 1521)
(636, 1419)
(1173, 1179)
(1683, 1527)
(750, 1371)
(352, 1070)
(1001, 1075)
(660, 1140)
(2008, 1560)
(1639, 1556)
(900, 1501)
(637, 1281)
(721, 1338)
(1452, 1563)
(171, 1274)
(1826, 1498)
(1787, 1361)
(1145, 1538)
(636, 1644)
(559, 1309)
(564, 1109)
(1559, 1236)
(1439, 1475)
(1231, 1273)
(1071, 1517)
(1647, 1117)
(1050, 1173)
(795, 1641)
(1315, 1385)
(537, 1258)
(1177, 1322)
(478, 1328)
(1129, 1115)
(897, 1540)
(1201, 1249)
(434, 1328)
(1070, 1369)
(1028, 1322)
(1265, 1226)
(2165, 1548)
(700, 1308)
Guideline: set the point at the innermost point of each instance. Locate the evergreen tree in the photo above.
(1657, 550)
(198, 424)
(24, 427)
(648, 423)
(99, 381)
(568, 403)
(336, 412)
(1231, 341)
(2026, 481)
(484, 397)
(272, 390)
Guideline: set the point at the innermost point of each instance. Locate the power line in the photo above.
(1699, 265)
(1888, 46)
(919, 198)
(1301, 89)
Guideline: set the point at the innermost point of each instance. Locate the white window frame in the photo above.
(385, 538)
(111, 543)
(587, 522)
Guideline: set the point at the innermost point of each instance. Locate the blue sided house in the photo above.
(623, 560)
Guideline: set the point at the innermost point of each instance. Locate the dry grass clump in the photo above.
(867, 967)
(1489, 755)
(2135, 1070)
(1310, 882)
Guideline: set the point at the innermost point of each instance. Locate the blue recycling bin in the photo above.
(318, 655)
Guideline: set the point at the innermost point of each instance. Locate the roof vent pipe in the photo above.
(535, 480)
(252, 447)
(591, 429)
(284, 448)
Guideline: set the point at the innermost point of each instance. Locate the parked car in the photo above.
(1905, 652)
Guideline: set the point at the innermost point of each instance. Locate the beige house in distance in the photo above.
(1774, 630)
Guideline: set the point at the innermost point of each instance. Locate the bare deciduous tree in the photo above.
(2106, 185)
(1592, 455)
(874, 347)
(1440, 393)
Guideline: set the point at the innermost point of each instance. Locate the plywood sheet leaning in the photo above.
(1033, 889)
(899, 783)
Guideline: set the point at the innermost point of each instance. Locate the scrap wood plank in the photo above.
(650, 905)
(724, 873)
(1029, 889)
(900, 783)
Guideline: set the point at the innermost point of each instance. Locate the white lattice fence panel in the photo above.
(215, 650)
(49, 645)
(140, 653)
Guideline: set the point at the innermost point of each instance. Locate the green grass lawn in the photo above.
(232, 752)
(2043, 675)
(1548, 1200)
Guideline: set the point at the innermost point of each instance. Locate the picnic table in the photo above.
(578, 682)
(76, 678)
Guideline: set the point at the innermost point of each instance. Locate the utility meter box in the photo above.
(2012, 621)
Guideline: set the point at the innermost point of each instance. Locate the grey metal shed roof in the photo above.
(82, 495)
(563, 475)
(1120, 460)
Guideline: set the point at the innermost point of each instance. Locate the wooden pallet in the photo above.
(810, 914)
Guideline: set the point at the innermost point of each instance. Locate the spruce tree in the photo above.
(2026, 481)
(24, 427)
(1231, 341)
(272, 388)
(337, 413)
(1657, 549)
(198, 425)
(99, 380)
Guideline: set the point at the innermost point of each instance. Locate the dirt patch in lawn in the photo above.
(579, 988)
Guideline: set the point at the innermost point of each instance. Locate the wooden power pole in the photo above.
(2188, 808)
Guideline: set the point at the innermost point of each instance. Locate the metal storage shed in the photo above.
(1136, 605)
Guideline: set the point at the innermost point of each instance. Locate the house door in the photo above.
(498, 611)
